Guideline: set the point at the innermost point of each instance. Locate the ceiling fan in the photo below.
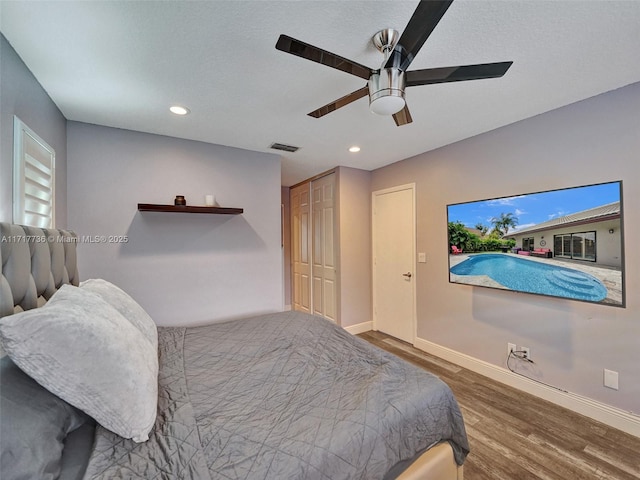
(386, 85)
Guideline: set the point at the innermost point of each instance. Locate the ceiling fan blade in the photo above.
(403, 116)
(456, 74)
(422, 22)
(315, 54)
(341, 102)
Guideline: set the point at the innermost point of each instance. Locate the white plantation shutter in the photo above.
(33, 178)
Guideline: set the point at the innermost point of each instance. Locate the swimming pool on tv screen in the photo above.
(525, 275)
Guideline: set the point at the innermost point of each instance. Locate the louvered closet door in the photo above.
(300, 248)
(324, 270)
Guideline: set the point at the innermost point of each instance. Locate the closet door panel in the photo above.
(300, 245)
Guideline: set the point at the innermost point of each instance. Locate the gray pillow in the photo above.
(80, 348)
(33, 425)
(126, 305)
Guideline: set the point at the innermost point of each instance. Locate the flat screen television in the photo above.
(566, 243)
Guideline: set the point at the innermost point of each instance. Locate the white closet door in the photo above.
(324, 270)
(300, 248)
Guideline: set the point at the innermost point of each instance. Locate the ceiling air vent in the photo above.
(283, 147)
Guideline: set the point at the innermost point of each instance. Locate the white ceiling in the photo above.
(122, 63)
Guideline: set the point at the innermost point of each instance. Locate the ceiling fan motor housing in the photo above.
(386, 91)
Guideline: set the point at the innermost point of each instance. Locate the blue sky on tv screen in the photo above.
(535, 208)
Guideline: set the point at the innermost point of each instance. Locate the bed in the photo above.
(283, 396)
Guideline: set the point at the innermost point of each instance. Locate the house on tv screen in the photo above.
(591, 235)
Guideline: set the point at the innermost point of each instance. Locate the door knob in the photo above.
(408, 274)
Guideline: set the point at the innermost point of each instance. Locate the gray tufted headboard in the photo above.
(35, 263)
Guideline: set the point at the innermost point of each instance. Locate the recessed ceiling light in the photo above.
(178, 110)
(354, 149)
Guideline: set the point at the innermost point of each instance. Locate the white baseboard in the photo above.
(359, 328)
(287, 308)
(612, 416)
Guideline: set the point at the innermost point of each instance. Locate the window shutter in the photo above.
(34, 178)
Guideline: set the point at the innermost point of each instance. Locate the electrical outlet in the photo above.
(511, 347)
(526, 352)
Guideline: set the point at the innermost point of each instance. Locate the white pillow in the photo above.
(126, 305)
(80, 348)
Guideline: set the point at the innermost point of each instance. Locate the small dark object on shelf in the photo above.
(180, 200)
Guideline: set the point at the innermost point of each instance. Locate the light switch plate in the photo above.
(611, 379)
(422, 257)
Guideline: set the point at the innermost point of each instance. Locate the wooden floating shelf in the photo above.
(152, 207)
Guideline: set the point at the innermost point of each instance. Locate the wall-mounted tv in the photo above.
(566, 243)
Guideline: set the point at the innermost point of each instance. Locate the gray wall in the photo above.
(182, 268)
(286, 245)
(22, 95)
(596, 140)
(354, 224)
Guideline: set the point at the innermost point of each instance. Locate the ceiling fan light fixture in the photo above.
(386, 91)
(387, 105)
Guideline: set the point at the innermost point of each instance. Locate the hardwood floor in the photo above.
(514, 435)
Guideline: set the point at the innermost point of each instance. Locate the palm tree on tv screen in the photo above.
(502, 223)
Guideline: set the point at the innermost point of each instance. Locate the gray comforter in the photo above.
(282, 396)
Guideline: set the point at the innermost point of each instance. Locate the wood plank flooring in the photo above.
(517, 436)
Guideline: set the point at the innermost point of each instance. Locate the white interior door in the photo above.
(324, 288)
(394, 262)
(300, 248)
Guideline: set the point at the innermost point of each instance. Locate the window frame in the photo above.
(585, 236)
